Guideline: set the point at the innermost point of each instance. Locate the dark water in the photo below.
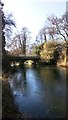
(40, 92)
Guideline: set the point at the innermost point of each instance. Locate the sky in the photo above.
(33, 13)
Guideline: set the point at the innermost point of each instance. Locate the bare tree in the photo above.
(42, 36)
(24, 39)
(21, 41)
(7, 29)
(10, 25)
(57, 26)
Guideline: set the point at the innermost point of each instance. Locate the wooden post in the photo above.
(67, 34)
(1, 59)
(67, 18)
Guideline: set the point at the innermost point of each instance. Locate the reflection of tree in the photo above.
(19, 80)
(54, 79)
(24, 76)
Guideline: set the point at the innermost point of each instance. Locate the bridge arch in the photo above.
(22, 59)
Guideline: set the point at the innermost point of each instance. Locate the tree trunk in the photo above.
(24, 46)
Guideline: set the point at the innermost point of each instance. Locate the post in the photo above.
(1, 6)
(67, 33)
(67, 18)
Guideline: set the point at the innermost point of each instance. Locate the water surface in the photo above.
(40, 92)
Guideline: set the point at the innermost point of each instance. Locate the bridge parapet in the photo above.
(24, 58)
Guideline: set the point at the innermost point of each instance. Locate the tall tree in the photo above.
(42, 36)
(7, 24)
(10, 25)
(57, 26)
(25, 38)
(21, 41)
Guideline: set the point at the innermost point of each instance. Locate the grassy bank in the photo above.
(9, 111)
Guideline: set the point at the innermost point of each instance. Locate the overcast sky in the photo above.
(33, 13)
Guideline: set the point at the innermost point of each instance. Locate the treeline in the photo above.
(52, 52)
(51, 43)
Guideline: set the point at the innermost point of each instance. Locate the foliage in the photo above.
(51, 51)
(38, 49)
(55, 30)
(64, 54)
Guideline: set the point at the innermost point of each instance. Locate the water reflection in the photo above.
(40, 92)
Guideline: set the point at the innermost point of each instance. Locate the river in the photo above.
(40, 92)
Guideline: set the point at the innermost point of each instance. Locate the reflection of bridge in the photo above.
(22, 59)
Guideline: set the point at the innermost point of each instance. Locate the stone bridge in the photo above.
(22, 59)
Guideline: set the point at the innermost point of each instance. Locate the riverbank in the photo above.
(63, 64)
(9, 110)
